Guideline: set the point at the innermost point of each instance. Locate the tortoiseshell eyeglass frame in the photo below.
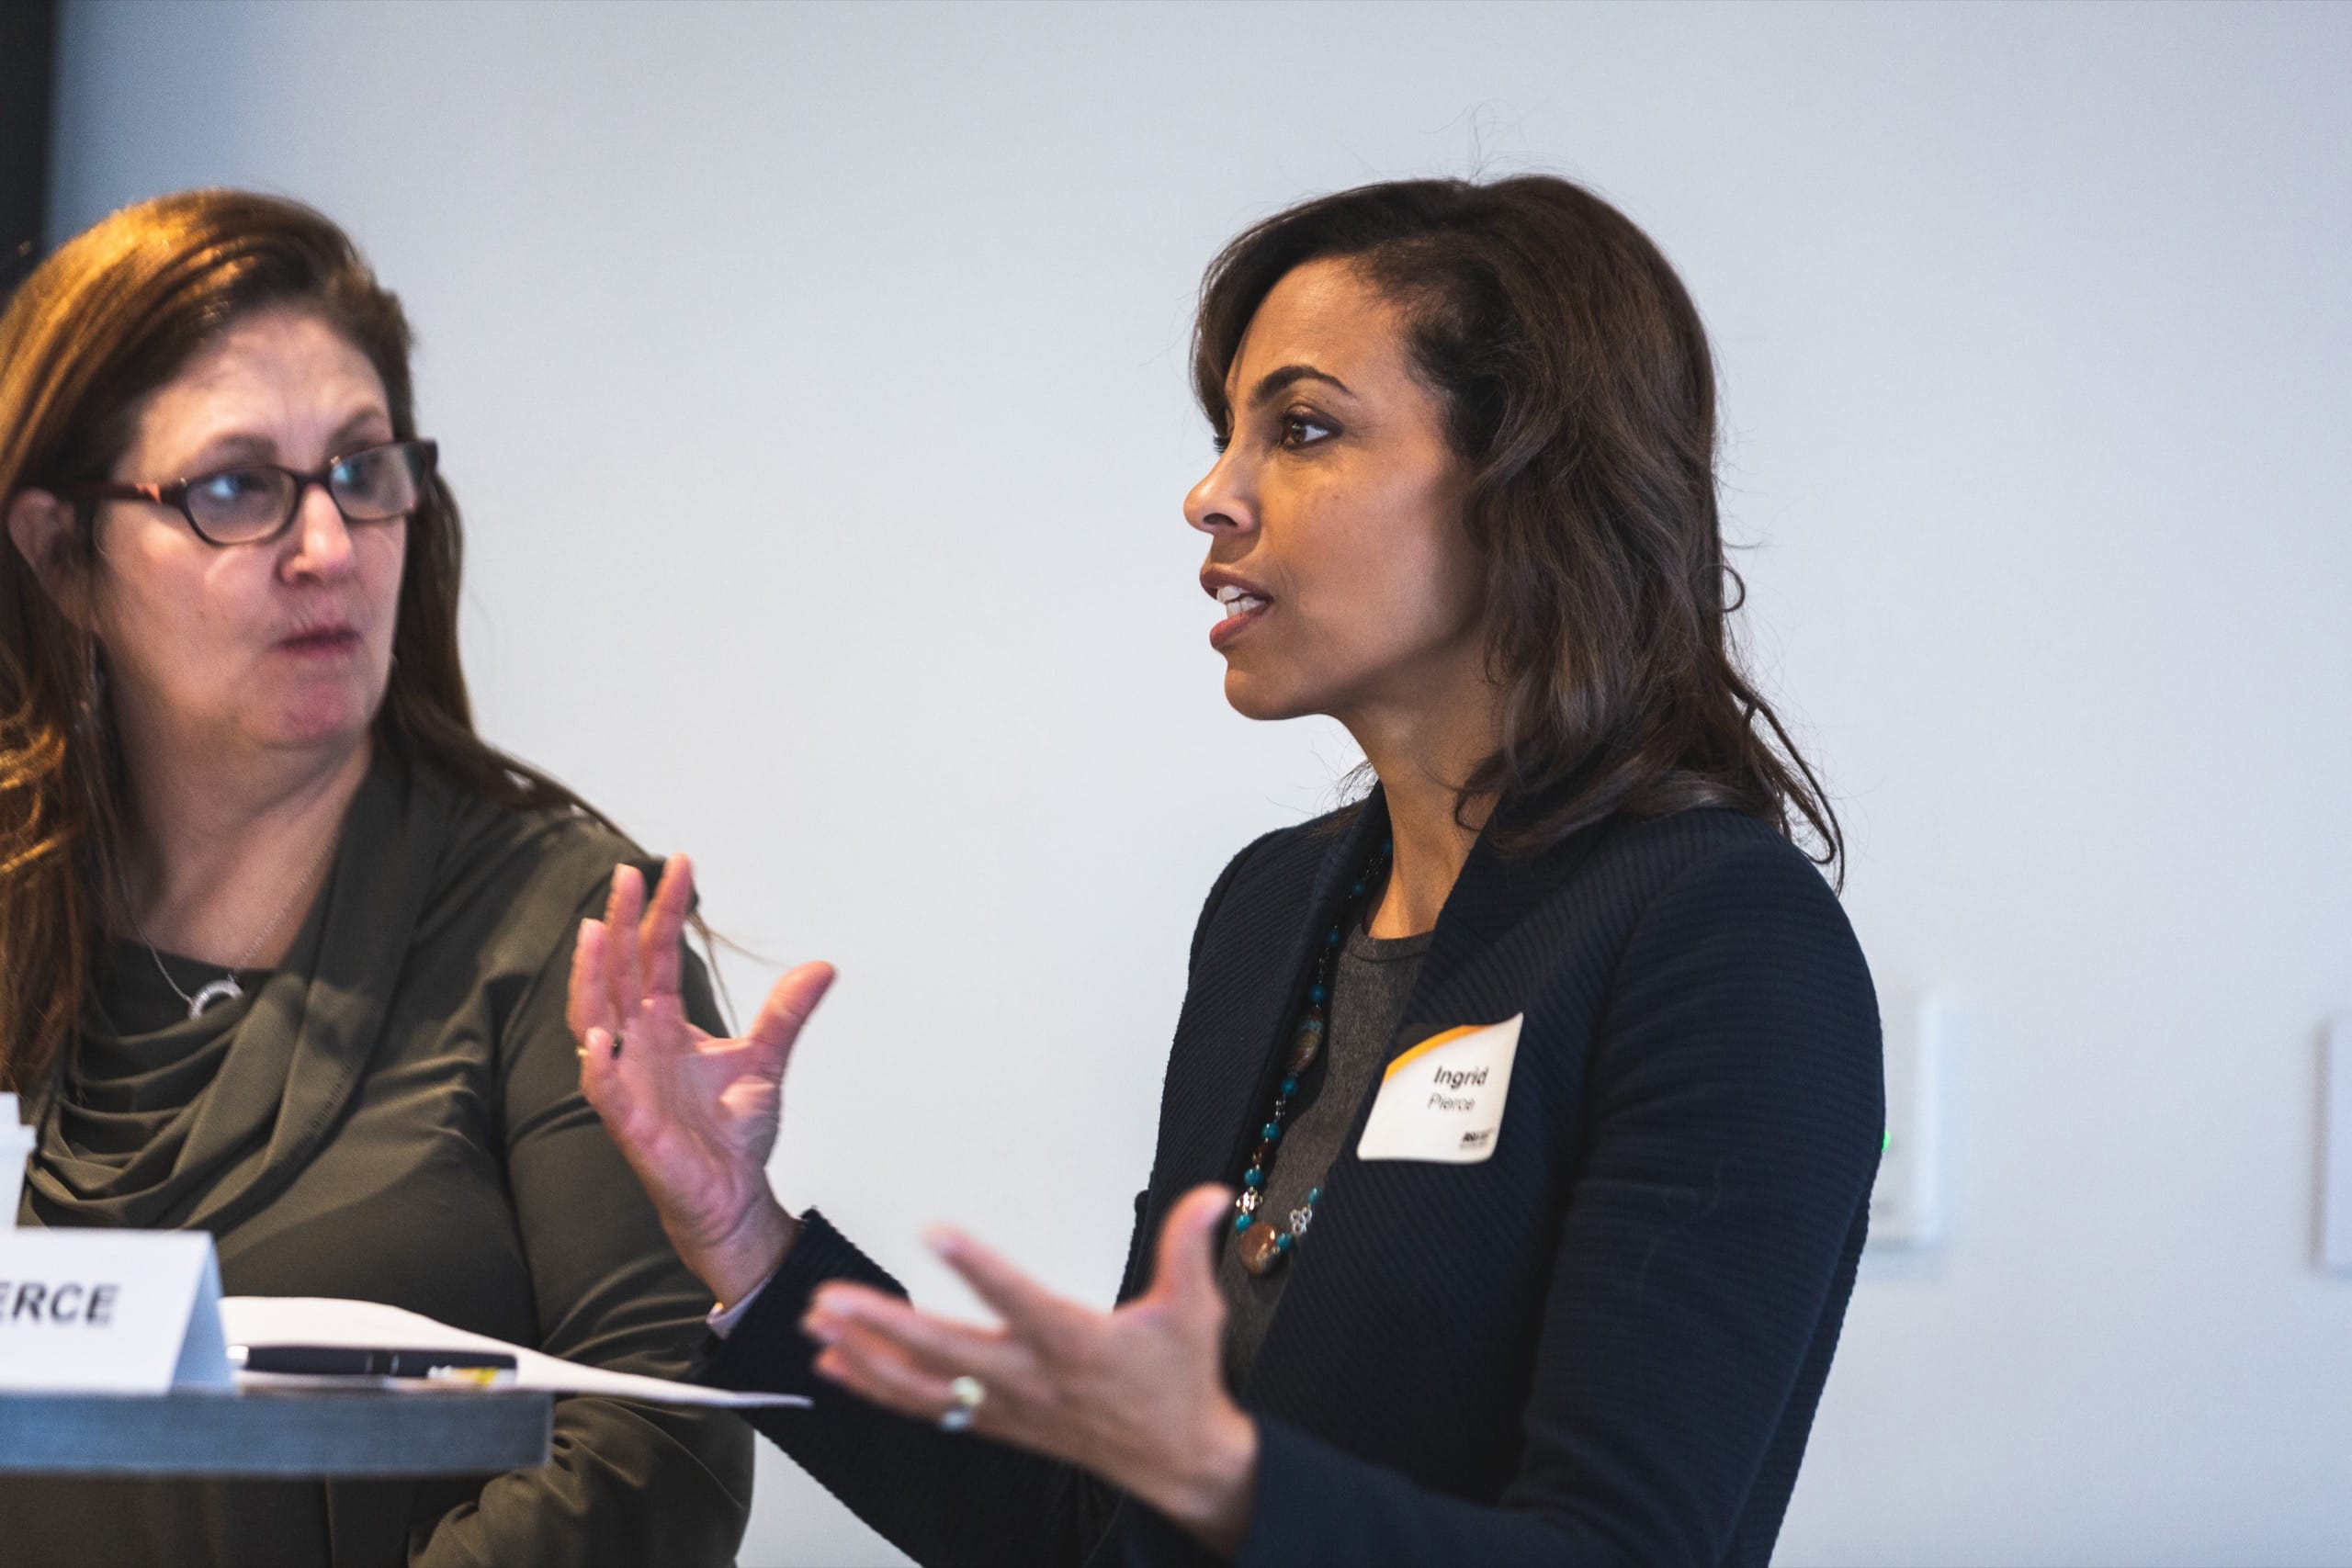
(423, 457)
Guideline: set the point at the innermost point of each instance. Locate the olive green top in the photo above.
(393, 1114)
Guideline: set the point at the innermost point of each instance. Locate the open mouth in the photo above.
(1238, 601)
(1240, 607)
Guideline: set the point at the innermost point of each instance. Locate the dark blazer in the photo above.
(1603, 1345)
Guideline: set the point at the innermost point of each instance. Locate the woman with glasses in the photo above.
(1516, 1142)
(286, 940)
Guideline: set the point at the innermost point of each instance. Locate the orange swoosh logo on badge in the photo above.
(1431, 1043)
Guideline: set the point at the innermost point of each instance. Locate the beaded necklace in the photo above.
(1261, 1244)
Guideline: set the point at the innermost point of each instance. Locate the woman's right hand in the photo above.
(695, 1115)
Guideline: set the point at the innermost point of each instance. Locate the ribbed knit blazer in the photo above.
(1603, 1345)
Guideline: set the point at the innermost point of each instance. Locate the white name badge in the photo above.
(1443, 1098)
(110, 1312)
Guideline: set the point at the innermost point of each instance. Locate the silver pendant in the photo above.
(224, 989)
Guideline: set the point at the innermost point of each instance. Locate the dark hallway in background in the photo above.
(27, 70)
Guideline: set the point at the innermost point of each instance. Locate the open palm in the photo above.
(695, 1115)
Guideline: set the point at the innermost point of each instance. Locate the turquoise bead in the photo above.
(1258, 1252)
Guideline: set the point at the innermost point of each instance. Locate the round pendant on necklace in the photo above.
(224, 989)
(1262, 1247)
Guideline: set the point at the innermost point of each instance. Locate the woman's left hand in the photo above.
(1134, 1395)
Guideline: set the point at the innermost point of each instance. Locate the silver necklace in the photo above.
(225, 989)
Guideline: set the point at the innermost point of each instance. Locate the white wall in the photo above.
(813, 379)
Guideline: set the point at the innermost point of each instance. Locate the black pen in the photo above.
(368, 1361)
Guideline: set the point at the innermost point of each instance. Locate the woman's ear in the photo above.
(41, 527)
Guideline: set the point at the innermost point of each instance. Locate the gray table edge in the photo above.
(332, 1433)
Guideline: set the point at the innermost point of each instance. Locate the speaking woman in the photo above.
(1515, 1144)
(286, 941)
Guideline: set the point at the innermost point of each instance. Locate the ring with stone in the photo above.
(967, 1393)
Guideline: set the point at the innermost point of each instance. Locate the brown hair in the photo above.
(1580, 394)
(109, 318)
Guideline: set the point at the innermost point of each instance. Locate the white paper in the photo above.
(1442, 1100)
(16, 1141)
(324, 1320)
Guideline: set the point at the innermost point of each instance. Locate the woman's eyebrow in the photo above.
(349, 430)
(228, 448)
(232, 447)
(1275, 382)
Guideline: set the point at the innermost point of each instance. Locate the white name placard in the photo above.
(110, 1312)
(1442, 1100)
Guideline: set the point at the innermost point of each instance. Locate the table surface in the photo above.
(276, 1432)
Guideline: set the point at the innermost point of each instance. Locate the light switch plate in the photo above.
(2335, 1145)
(1906, 1202)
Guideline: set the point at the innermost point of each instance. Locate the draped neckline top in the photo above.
(129, 1102)
(393, 1114)
(153, 1120)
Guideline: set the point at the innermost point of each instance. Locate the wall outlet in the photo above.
(1907, 1201)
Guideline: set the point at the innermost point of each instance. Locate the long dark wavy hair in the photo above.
(1579, 393)
(109, 318)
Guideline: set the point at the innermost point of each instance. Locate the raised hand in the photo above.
(695, 1115)
(1134, 1395)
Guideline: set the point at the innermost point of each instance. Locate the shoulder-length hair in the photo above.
(1579, 393)
(108, 319)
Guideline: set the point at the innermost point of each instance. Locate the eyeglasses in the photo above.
(256, 503)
